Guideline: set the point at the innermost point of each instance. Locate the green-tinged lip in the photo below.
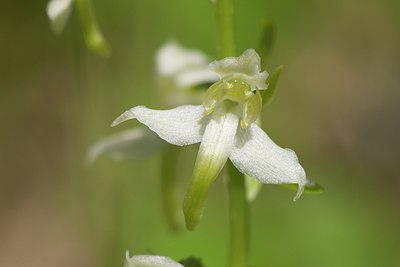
(214, 151)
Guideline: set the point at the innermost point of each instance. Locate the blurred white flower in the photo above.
(136, 142)
(149, 261)
(186, 67)
(58, 12)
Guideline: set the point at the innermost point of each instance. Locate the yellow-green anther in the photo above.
(251, 109)
(213, 95)
(236, 90)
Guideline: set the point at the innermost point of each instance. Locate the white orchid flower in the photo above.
(179, 71)
(149, 261)
(225, 126)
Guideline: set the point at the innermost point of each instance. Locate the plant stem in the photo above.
(93, 37)
(225, 28)
(170, 187)
(238, 217)
(238, 206)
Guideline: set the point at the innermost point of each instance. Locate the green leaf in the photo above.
(191, 262)
(272, 81)
(311, 187)
(267, 40)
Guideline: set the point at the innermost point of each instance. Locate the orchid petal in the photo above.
(246, 67)
(186, 67)
(149, 261)
(136, 142)
(217, 142)
(58, 12)
(179, 126)
(256, 155)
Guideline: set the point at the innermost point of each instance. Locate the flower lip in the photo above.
(251, 151)
(246, 67)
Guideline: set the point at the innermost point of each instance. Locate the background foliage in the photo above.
(336, 106)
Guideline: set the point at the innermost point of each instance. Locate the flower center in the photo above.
(237, 91)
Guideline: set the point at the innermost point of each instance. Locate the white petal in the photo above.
(179, 126)
(137, 142)
(58, 12)
(215, 147)
(256, 155)
(150, 261)
(172, 58)
(246, 67)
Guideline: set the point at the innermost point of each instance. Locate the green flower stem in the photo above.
(225, 28)
(238, 208)
(93, 37)
(170, 187)
(239, 218)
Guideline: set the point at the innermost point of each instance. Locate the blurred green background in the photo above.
(336, 106)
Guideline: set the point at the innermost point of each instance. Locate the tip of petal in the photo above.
(300, 191)
(127, 115)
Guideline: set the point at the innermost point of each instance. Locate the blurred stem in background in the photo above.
(170, 187)
(93, 37)
(238, 218)
(238, 205)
